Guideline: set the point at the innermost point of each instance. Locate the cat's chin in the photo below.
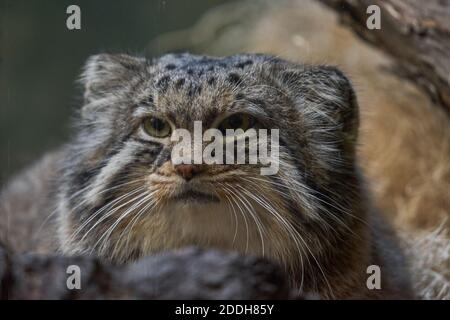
(212, 224)
(208, 225)
(204, 209)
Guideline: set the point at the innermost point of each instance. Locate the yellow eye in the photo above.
(156, 127)
(237, 121)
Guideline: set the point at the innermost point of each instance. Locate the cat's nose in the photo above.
(187, 171)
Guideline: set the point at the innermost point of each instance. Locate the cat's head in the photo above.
(123, 196)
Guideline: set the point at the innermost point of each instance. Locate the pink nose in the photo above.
(187, 171)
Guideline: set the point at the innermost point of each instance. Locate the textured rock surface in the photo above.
(188, 274)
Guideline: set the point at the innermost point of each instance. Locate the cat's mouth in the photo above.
(194, 196)
(190, 194)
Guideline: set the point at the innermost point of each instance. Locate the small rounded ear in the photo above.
(104, 74)
(325, 99)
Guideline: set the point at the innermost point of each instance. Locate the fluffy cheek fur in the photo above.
(250, 217)
(241, 221)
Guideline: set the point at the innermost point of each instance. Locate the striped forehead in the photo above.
(185, 90)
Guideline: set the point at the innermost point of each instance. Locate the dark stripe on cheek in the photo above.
(148, 152)
(147, 142)
(84, 212)
(81, 178)
(123, 176)
(164, 156)
(143, 158)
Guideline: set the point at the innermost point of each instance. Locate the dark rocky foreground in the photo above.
(186, 274)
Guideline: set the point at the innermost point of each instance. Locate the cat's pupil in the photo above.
(157, 124)
(235, 121)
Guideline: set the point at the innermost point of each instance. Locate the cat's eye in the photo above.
(237, 121)
(156, 127)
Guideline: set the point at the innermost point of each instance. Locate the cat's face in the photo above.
(124, 195)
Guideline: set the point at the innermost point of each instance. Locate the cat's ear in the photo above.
(105, 74)
(326, 100)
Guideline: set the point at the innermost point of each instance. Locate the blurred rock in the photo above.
(185, 274)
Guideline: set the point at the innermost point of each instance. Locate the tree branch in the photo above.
(415, 33)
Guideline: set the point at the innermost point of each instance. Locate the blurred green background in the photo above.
(41, 60)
